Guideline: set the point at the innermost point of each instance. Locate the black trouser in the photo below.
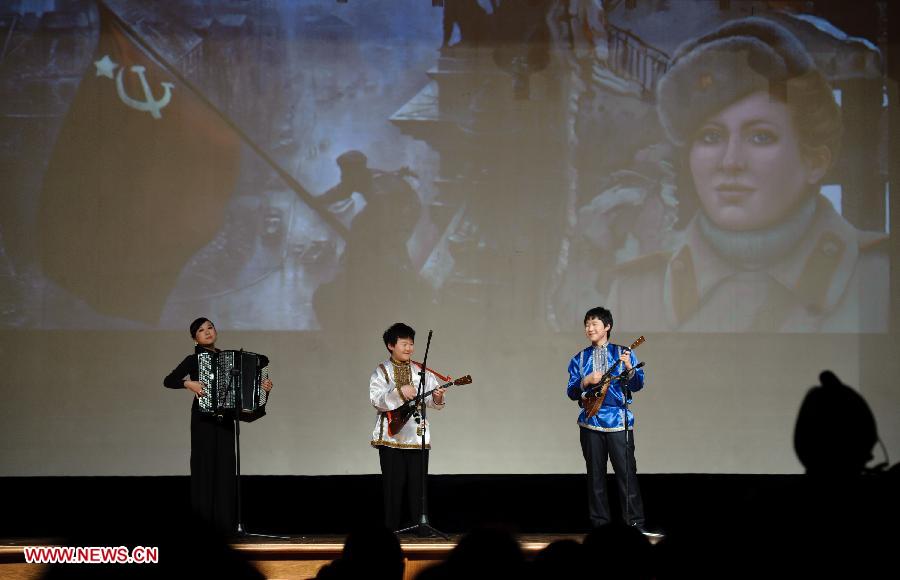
(597, 446)
(213, 492)
(402, 468)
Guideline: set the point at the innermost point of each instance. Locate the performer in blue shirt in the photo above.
(609, 433)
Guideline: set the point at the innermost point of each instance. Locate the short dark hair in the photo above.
(601, 314)
(397, 331)
(196, 324)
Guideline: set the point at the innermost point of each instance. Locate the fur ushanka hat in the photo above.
(739, 58)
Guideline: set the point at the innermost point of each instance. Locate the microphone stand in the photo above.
(626, 394)
(238, 408)
(424, 529)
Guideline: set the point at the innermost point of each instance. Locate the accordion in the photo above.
(223, 386)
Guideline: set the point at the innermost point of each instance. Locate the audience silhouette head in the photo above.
(827, 408)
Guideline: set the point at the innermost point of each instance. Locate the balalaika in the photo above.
(222, 385)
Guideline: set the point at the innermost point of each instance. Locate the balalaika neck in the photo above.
(424, 395)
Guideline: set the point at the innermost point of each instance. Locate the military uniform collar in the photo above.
(817, 271)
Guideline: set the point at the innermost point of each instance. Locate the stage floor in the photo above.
(295, 557)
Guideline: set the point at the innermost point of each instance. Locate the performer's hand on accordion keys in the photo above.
(195, 387)
(267, 385)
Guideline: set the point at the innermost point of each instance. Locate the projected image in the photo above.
(291, 165)
(721, 226)
(205, 157)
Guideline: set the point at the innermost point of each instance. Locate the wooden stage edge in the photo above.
(299, 557)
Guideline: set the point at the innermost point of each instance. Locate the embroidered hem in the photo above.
(604, 429)
(382, 442)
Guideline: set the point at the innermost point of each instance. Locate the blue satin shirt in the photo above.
(609, 418)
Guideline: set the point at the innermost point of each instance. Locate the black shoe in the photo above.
(652, 534)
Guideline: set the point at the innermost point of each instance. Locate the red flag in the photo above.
(138, 181)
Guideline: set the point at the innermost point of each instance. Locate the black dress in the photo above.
(213, 492)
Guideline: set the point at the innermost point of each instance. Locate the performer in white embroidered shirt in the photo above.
(392, 385)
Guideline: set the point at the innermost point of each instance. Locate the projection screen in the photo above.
(306, 173)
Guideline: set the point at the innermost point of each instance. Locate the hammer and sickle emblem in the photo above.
(149, 104)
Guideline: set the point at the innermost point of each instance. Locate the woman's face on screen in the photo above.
(206, 335)
(747, 165)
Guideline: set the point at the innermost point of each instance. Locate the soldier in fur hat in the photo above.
(758, 128)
